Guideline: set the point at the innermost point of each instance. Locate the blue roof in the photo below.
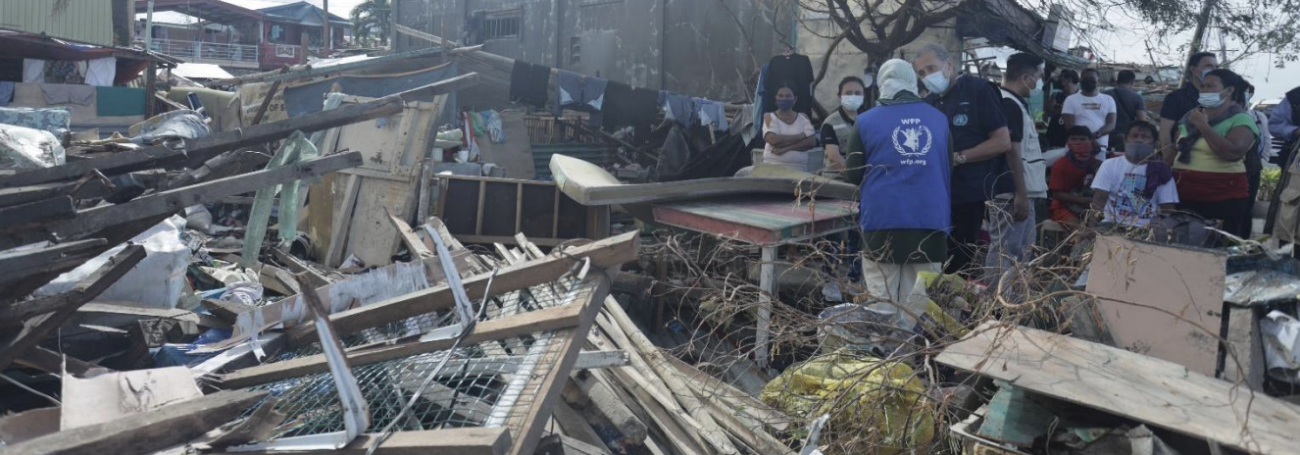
(302, 13)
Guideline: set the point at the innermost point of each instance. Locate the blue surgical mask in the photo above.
(1205, 73)
(1249, 96)
(1039, 86)
(1211, 100)
(936, 82)
(785, 104)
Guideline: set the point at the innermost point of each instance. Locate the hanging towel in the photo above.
(100, 72)
(680, 108)
(6, 92)
(528, 83)
(712, 113)
(627, 106)
(56, 94)
(33, 71)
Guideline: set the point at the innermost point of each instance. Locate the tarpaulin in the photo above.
(306, 99)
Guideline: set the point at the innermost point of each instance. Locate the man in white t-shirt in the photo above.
(1091, 108)
(1121, 192)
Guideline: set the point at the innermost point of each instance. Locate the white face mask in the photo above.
(936, 82)
(1211, 100)
(1249, 96)
(851, 102)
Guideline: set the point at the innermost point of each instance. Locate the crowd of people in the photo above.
(943, 156)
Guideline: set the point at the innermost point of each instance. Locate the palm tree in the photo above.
(373, 17)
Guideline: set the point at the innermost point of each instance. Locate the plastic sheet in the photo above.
(24, 148)
(1261, 280)
(183, 124)
(295, 149)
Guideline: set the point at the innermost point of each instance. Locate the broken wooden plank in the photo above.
(95, 219)
(549, 387)
(199, 150)
(53, 362)
(298, 266)
(15, 343)
(145, 432)
(35, 213)
(1128, 384)
(564, 445)
(342, 222)
(17, 265)
(536, 321)
(413, 243)
(452, 441)
(604, 253)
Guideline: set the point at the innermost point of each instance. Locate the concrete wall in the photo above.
(694, 47)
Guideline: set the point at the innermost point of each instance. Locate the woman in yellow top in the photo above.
(1212, 142)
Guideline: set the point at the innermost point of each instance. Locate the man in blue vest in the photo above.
(904, 144)
(981, 145)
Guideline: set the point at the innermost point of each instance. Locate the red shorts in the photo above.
(1064, 215)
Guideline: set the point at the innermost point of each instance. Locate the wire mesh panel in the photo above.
(492, 383)
(463, 393)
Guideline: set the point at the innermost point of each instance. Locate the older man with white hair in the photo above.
(906, 175)
(986, 165)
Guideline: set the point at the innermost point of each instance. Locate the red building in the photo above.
(239, 34)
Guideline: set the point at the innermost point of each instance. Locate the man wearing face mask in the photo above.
(840, 124)
(981, 145)
(1091, 108)
(1011, 239)
(1130, 190)
(1179, 102)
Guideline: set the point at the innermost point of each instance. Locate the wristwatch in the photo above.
(960, 158)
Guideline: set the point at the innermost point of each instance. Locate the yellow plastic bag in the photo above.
(875, 407)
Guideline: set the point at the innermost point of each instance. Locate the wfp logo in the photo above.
(914, 140)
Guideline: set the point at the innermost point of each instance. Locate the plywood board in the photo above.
(515, 155)
(1153, 391)
(759, 221)
(1160, 300)
(112, 396)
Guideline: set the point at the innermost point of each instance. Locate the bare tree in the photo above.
(878, 28)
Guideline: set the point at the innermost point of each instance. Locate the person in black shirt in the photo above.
(852, 93)
(1179, 102)
(1129, 107)
(1069, 82)
(980, 144)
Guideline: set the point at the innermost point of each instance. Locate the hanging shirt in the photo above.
(1126, 183)
(793, 159)
(711, 114)
(1090, 111)
(528, 83)
(795, 70)
(627, 106)
(907, 181)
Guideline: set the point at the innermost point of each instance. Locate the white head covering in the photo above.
(895, 76)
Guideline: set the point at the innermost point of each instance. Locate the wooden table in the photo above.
(764, 222)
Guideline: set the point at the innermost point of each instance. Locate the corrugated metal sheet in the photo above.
(83, 20)
(598, 154)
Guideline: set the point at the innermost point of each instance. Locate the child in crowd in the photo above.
(1131, 189)
(1071, 178)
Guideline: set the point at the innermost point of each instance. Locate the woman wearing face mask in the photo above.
(788, 134)
(852, 92)
(1212, 143)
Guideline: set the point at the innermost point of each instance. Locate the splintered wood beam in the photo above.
(62, 257)
(208, 147)
(167, 202)
(451, 441)
(145, 432)
(549, 386)
(14, 343)
(53, 362)
(605, 253)
(414, 245)
(548, 319)
(35, 213)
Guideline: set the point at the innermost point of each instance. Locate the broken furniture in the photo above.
(491, 210)
(767, 223)
(354, 221)
(1115, 381)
